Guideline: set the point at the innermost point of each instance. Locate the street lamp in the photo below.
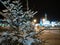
(34, 20)
(43, 20)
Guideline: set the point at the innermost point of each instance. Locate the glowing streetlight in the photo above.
(34, 20)
(43, 20)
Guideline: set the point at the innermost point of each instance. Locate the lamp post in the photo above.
(34, 21)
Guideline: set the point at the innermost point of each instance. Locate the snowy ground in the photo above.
(51, 37)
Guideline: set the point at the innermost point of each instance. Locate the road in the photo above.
(50, 37)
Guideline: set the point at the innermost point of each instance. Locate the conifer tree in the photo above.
(20, 21)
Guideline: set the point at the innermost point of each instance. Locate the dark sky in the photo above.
(51, 7)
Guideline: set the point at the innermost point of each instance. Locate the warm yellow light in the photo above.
(34, 20)
(44, 20)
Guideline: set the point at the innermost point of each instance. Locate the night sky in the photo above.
(50, 7)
